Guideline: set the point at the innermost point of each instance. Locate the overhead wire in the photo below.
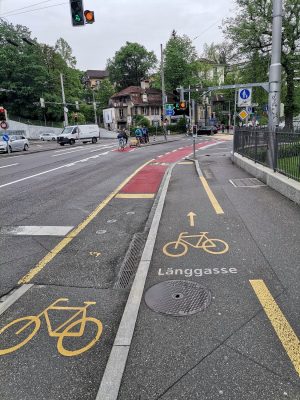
(29, 6)
(35, 9)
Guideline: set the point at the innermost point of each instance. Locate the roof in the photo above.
(135, 93)
(96, 73)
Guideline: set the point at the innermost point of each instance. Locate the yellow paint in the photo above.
(179, 248)
(211, 196)
(280, 324)
(63, 331)
(192, 216)
(71, 235)
(95, 253)
(185, 163)
(135, 196)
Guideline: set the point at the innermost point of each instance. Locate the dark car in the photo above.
(207, 130)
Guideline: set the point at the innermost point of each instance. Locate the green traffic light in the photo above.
(77, 18)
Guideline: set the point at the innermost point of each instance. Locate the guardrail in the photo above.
(278, 150)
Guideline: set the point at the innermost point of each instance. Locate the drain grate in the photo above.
(246, 182)
(177, 298)
(131, 261)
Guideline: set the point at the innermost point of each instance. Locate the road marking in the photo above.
(211, 196)
(284, 331)
(192, 216)
(135, 196)
(10, 165)
(95, 253)
(65, 330)
(68, 152)
(36, 230)
(71, 235)
(185, 163)
(11, 299)
(54, 169)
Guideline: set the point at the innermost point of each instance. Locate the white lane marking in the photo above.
(10, 165)
(68, 152)
(36, 230)
(51, 170)
(14, 297)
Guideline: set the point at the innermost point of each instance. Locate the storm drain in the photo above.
(246, 182)
(177, 298)
(131, 261)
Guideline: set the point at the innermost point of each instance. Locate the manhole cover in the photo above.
(178, 298)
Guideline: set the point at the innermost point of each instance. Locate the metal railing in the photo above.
(278, 150)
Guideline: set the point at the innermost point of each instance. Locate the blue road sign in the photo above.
(169, 112)
(245, 94)
(5, 138)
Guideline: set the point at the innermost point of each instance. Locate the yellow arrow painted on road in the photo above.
(192, 216)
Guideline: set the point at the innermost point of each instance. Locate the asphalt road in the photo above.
(74, 222)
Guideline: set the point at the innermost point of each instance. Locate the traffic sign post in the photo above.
(243, 114)
(6, 139)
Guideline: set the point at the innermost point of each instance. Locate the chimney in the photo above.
(145, 84)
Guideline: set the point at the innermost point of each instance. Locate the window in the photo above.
(145, 110)
(155, 111)
(121, 112)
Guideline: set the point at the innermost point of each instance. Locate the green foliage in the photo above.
(80, 119)
(180, 62)
(253, 35)
(130, 64)
(141, 121)
(64, 49)
(181, 125)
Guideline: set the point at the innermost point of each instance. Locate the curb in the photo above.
(288, 187)
(112, 377)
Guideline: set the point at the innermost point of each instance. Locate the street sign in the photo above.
(249, 110)
(243, 114)
(244, 98)
(5, 138)
(66, 109)
(4, 125)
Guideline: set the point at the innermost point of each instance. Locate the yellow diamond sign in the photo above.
(243, 114)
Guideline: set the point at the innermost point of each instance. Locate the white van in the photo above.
(85, 133)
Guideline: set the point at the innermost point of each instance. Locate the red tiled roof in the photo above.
(135, 93)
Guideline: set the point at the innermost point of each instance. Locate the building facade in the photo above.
(131, 102)
(92, 77)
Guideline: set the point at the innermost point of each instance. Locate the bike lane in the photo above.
(199, 333)
(56, 338)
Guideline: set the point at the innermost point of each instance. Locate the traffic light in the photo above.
(89, 16)
(77, 13)
(161, 117)
(176, 96)
(182, 105)
(42, 102)
(2, 114)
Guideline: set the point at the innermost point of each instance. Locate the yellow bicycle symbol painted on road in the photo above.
(65, 330)
(180, 247)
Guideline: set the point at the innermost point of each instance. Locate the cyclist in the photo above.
(122, 139)
(138, 134)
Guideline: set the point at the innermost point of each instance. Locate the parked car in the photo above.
(15, 143)
(48, 136)
(207, 130)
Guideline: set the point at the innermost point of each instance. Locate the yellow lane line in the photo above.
(135, 196)
(71, 235)
(280, 324)
(211, 196)
(185, 162)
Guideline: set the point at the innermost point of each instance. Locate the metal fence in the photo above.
(278, 150)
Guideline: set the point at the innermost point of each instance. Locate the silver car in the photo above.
(15, 143)
(48, 136)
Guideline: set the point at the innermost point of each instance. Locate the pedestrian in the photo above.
(223, 128)
(145, 134)
(227, 128)
(125, 136)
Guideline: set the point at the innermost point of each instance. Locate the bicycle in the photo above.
(179, 247)
(121, 144)
(67, 326)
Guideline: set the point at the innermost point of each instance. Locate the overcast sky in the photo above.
(148, 22)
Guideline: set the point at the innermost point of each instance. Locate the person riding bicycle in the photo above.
(138, 134)
(122, 137)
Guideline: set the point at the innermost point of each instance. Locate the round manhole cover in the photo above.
(178, 298)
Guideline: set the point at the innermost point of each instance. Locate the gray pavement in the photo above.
(229, 350)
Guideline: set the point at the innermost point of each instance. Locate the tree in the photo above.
(254, 34)
(180, 62)
(130, 64)
(63, 48)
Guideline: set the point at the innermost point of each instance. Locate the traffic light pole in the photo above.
(163, 91)
(64, 100)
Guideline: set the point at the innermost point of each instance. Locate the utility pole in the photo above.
(95, 108)
(163, 89)
(64, 100)
(275, 67)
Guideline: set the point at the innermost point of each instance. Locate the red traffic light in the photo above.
(2, 114)
(89, 17)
